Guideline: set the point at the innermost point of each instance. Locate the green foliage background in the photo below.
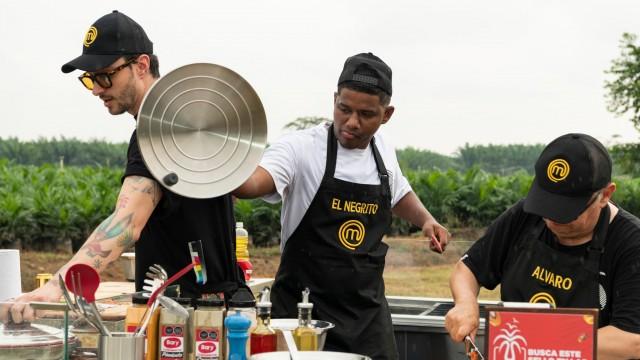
(47, 207)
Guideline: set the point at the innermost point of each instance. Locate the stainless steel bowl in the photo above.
(320, 326)
(201, 130)
(309, 355)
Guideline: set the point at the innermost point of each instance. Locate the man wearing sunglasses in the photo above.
(565, 244)
(119, 67)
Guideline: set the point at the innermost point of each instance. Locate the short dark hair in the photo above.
(154, 63)
(385, 99)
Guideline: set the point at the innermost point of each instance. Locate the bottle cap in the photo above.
(239, 224)
(265, 301)
(138, 299)
(242, 298)
(211, 302)
(184, 301)
(305, 304)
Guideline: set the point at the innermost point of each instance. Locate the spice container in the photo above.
(243, 302)
(133, 320)
(187, 303)
(263, 337)
(173, 331)
(208, 326)
(237, 325)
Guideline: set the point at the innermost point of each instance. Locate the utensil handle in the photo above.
(172, 279)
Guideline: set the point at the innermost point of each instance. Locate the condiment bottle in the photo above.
(135, 312)
(237, 325)
(187, 303)
(242, 251)
(244, 302)
(263, 337)
(173, 330)
(208, 320)
(305, 335)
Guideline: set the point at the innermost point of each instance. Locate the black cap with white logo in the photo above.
(110, 37)
(568, 172)
(368, 70)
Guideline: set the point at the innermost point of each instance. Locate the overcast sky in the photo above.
(469, 71)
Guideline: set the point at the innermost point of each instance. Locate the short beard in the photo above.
(126, 100)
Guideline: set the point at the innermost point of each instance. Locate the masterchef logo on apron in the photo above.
(351, 234)
(543, 297)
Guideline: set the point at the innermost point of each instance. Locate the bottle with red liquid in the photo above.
(263, 337)
(242, 251)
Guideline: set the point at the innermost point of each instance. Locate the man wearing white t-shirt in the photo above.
(339, 184)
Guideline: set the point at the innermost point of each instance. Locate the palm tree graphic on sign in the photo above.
(510, 343)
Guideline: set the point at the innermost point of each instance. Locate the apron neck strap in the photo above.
(596, 248)
(332, 154)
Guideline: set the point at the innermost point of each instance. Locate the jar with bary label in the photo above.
(187, 303)
(173, 332)
(208, 320)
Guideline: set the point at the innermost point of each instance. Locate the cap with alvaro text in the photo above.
(368, 70)
(109, 38)
(567, 174)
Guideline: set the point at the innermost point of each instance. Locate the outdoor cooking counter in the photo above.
(418, 325)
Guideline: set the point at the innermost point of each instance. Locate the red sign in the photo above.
(206, 347)
(540, 334)
(172, 342)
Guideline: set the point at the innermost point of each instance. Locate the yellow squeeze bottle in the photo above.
(305, 335)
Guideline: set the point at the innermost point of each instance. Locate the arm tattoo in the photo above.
(96, 264)
(105, 231)
(126, 240)
(147, 186)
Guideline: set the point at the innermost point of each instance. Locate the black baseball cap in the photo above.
(368, 70)
(568, 172)
(109, 38)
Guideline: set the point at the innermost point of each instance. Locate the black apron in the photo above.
(540, 273)
(337, 251)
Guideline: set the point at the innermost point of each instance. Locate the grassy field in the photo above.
(411, 270)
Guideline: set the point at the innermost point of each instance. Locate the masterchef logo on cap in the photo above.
(558, 170)
(91, 36)
(351, 234)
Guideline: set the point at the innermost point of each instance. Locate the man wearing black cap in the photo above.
(565, 244)
(119, 67)
(339, 183)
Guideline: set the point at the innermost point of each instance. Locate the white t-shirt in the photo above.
(297, 163)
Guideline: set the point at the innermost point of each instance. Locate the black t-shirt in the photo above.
(620, 262)
(175, 222)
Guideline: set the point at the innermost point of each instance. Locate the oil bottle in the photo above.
(263, 337)
(305, 335)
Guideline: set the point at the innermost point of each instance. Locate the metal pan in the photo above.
(201, 130)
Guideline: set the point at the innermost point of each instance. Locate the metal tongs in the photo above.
(472, 351)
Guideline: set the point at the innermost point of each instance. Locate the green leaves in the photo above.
(623, 91)
(47, 207)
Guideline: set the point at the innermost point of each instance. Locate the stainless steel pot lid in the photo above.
(201, 130)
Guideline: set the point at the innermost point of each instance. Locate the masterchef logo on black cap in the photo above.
(569, 170)
(368, 70)
(558, 170)
(109, 38)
